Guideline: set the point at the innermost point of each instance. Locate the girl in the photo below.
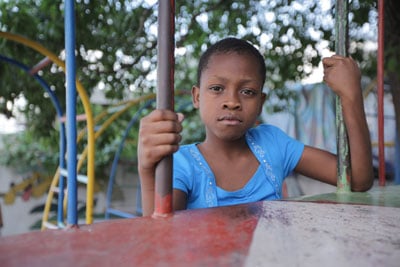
(238, 163)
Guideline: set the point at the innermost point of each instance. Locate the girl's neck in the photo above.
(227, 149)
(232, 163)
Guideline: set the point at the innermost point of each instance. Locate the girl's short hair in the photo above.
(228, 45)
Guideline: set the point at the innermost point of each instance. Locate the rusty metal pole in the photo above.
(380, 73)
(343, 152)
(165, 100)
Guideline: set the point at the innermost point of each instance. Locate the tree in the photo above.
(116, 45)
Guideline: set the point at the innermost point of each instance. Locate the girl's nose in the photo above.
(231, 102)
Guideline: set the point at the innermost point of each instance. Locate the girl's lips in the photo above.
(230, 119)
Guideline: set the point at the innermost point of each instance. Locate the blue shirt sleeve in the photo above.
(182, 171)
(281, 149)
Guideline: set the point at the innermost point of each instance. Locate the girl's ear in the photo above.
(196, 96)
(263, 98)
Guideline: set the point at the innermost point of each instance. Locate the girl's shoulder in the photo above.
(186, 149)
(186, 155)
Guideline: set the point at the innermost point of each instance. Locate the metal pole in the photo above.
(380, 73)
(69, 22)
(343, 152)
(165, 100)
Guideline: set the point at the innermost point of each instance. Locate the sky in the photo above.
(9, 126)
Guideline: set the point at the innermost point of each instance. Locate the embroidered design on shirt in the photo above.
(260, 154)
(210, 193)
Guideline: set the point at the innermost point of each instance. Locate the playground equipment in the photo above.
(90, 170)
(110, 210)
(88, 153)
(114, 112)
(166, 77)
(90, 126)
(253, 234)
(56, 104)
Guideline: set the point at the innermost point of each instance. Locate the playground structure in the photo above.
(90, 131)
(230, 235)
(115, 110)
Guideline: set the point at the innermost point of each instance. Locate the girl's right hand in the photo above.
(159, 136)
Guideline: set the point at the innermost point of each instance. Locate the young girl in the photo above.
(238, 163)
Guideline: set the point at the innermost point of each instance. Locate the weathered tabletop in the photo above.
(272, 233)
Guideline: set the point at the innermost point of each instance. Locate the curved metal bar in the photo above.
(113, 172)
(110, 210)
(89, 119)
(62, 142)
(40, 80)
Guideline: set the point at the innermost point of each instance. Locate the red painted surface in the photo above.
(270, 233)
(207, 237)
(162, 205)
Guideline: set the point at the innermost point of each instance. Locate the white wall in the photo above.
(16, 217)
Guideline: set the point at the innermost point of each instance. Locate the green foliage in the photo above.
(116, 52)
(25, 152)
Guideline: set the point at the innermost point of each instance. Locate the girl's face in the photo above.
(230, 95)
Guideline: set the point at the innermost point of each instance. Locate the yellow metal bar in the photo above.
(111, 119)
(86, 104)
(46, 210)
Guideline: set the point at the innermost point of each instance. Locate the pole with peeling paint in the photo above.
(343, 152)
(165, 100)
(380, 76)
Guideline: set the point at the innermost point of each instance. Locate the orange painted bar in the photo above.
(43, 63)
(79, 117)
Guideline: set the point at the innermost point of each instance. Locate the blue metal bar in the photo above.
(119, 213)
(114, 166)
(69, 22)
(62, 141)
(40, 80)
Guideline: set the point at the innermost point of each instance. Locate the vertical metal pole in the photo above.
(343, 152)
(69, 22)
(165, 100)
(61, 182)
(380, 70)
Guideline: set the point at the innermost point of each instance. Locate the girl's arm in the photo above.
(342, 75)
(159, 136)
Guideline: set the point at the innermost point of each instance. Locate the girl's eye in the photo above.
(248, 92)
(216, 88)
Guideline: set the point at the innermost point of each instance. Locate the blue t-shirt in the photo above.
(277, 153)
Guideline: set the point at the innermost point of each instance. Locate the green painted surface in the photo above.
(343, 152)
(388, 196)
